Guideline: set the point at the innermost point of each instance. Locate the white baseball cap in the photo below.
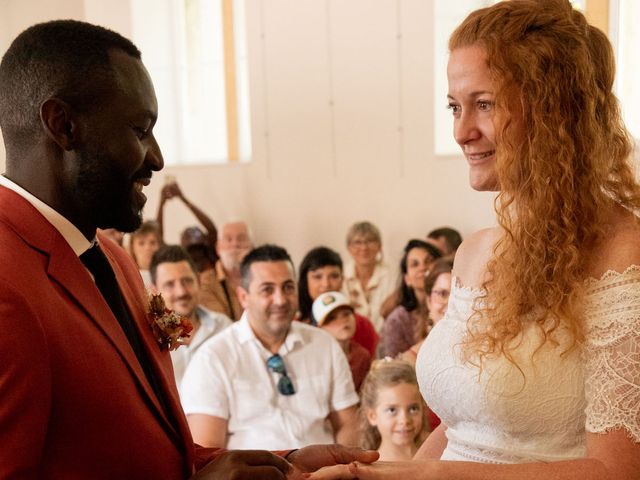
(327, 303)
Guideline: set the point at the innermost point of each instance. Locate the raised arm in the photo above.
(202, 217)
(172, 190)
(167, 192)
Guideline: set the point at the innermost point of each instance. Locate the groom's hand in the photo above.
(245, 465)
(313, 457)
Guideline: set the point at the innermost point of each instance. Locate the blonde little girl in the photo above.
(391, 410)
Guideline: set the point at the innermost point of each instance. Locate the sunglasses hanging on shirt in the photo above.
(275, 363)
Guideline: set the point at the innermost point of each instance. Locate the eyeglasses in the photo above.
(285, 385)
(441, 294)
(363, 242)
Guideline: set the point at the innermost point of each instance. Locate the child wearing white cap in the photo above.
(334, 314)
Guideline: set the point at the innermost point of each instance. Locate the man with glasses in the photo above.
(266, 381)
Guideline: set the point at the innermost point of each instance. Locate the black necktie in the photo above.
(105, 279)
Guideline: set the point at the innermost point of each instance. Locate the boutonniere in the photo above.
(169, 328)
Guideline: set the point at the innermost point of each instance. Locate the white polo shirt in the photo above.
(228, 378)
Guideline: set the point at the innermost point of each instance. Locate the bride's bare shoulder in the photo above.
(621, 245)
(474, 253)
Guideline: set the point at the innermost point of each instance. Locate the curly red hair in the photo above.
(562, 158)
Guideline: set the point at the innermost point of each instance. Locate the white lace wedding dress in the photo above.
(502, 417)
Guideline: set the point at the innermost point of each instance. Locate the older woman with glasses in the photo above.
(367, 280)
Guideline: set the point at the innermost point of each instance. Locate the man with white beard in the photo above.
(218, 285)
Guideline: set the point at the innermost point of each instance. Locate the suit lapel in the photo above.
(137, 302)
(68, 271)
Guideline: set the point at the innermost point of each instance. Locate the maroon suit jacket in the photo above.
(74, 401)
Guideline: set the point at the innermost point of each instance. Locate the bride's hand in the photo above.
(374, 471)
(334, 472)
(313, 457)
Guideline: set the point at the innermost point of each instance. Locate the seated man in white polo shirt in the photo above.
(266, 381)
(174, 275)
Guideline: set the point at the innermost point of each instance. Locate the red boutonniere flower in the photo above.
(169, 328)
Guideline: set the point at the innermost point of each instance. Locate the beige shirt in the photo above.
(367, 302)
(213, 283)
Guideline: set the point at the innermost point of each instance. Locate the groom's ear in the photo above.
(60, 122)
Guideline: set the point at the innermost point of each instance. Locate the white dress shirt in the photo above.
(228, 378)
(74, 237)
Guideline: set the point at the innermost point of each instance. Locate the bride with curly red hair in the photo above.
(535, 369)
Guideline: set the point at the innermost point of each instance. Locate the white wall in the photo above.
(16, 15)
(342, 118)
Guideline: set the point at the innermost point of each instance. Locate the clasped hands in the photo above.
(299, 465)
(170, 190)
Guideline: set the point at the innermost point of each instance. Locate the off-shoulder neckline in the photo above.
(612, 274)
(458, 285)
(608, 275)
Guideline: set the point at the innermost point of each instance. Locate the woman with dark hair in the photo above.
(408, 323)
(404, 293)
(321, 271)
(437, 287)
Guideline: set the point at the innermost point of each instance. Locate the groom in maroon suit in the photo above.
(86, 392)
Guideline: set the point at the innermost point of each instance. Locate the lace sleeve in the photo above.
(613, 353)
